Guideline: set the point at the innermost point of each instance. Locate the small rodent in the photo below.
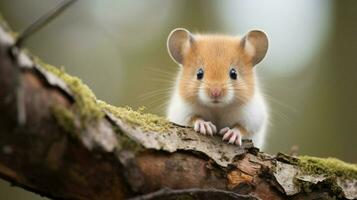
(216, 89)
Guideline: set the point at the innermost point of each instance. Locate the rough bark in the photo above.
(109, 157)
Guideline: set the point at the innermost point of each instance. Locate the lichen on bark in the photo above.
(328, 166)
(85, 101)
(89, 108)
(147, 121)
(65, 118)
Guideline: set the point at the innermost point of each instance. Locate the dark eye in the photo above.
(233, 74)
(200, 74)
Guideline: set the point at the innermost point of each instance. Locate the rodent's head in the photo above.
(216, 70)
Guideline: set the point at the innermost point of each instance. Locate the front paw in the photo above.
(204, 127)
(233, 136)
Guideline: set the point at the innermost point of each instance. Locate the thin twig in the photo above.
(167, 192)
(14, 52)
(42, 21)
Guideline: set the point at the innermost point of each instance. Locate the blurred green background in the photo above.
(118, 47)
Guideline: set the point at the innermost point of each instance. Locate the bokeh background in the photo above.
(118, 47)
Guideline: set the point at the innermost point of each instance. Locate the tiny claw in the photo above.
(227, 135)
(232, 135)
(196, 126)
(208, 128)
(239, 141)
(214, 129)
(202, 128)
(224, 130)
(232, 138)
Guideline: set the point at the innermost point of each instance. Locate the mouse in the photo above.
(216, 91)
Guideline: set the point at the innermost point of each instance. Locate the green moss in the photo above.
(305, 186)
(126, 143)
(86, 104)
(89, 108)
(86, 108)
(85, 101)
(330, 183)
(65, 118)
(146, 121)
(329, 166)
(332, 168)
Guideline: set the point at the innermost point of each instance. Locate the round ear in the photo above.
(178, 42)
(255, 44)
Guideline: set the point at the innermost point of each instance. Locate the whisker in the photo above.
(159, 92)
(162, 80)
(280, 103)
(158, 102)
(153, 94)
(161, 108)
(160, 73)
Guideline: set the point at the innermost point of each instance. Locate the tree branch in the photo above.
(73, 146)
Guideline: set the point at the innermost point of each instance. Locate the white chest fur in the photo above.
(252, 115)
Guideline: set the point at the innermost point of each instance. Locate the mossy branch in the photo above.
(73, 146)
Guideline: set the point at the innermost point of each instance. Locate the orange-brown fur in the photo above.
(217, 54)
(216, 90)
